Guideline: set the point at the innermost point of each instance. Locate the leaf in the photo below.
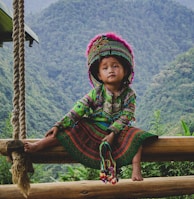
(185, 128)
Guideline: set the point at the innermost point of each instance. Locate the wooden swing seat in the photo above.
(169, 148)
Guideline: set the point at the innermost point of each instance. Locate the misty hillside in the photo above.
(171, 92)
(56, 67)
(38, 6)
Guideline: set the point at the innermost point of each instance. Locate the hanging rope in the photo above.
(15, 112)
(20, 164)
(22, 116)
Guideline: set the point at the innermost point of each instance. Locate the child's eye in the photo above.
(115, 66)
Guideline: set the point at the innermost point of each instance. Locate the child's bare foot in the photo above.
(136, 173)
(30, 147)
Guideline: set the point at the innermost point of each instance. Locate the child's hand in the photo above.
(52, 132)
(109, 138)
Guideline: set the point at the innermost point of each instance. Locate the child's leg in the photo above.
(46, 142)
(136, 164)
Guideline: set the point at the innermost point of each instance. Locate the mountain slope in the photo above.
(56, 72)
(38, 6)
(172, 92)
(158, 30)
(188, 3)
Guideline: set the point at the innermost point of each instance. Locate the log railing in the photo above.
(174, 148)
(125, 189)
(164, 149)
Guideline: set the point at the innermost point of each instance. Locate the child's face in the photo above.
(111, 71)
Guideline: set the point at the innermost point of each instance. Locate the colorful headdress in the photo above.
(108, 44)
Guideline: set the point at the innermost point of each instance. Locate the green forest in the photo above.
(162, 35)
(159, 31)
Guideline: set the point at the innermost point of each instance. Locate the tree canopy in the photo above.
(56, 72)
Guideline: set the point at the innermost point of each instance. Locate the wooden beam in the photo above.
(124, 189)
(164, 149)
(6, 26)
(169, 148)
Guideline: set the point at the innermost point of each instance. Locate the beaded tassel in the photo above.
(108, 172)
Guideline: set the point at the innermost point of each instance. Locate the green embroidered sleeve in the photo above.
(81, 108)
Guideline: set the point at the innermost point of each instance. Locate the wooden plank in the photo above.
(164, 149)
(124, 189)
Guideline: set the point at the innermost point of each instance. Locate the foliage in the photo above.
(7, 128)
(79, 172)
(171, 92)
(156, 126)
(55, 68)
(158, 30)
(5, 174)
(62, 172)
(186, 129)
(48, 172)
(74, 174)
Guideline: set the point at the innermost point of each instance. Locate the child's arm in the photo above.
(81, 108)
(109, 138)
(52, 132)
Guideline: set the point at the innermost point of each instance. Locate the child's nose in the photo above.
(110, 69)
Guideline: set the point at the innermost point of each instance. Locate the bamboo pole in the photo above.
(124, 189)
(176, 148)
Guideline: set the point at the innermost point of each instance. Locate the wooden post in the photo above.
(124, 189)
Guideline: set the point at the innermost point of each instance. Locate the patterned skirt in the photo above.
(83, 140)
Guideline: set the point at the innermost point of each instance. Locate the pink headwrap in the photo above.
(105, 45)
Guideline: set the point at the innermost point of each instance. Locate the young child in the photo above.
(105, 113)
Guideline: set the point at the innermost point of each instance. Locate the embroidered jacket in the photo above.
(101, 107)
